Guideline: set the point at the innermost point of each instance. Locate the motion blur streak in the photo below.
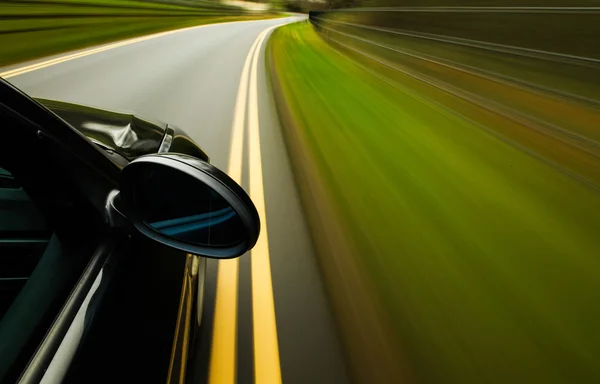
(267, 368)
(460, 154)
(223, 353)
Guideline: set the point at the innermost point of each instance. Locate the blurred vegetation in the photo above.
(568, 33)
(37, 28)
(549, 105)
(534, 97)
(299, 6)
(486, 257)
(470, 3)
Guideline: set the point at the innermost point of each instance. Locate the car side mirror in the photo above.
(188, 204)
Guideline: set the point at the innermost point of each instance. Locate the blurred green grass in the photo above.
(579, 80)
(32, 29)
(485, 257)
(561, 130)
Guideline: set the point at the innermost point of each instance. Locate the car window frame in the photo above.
(45, 354)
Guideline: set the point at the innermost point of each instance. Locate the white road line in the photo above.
(267, 369)
(62, 59)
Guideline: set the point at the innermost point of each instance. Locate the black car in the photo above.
(105, 223)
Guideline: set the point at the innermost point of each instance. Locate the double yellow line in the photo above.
(223, 360)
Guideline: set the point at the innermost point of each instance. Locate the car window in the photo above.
(25, 238)
(24, 235)
(37, 272)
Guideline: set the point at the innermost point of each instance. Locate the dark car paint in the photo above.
(125, 133)
(131, 332)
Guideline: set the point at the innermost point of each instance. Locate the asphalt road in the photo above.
(191, 79)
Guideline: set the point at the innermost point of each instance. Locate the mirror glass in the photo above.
(179, 206)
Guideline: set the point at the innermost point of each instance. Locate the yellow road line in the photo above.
(223, 350)
(267, 369)
(62, 59)
(223, 354)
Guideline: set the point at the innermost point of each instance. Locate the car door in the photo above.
(105, 303)
(51, 234)
(23, 237)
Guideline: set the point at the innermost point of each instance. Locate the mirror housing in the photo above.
(188, 204)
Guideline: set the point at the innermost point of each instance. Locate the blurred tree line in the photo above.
(300, 6)
(449, 3)
(307, 5)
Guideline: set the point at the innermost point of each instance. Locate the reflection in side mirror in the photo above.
(190, 205)
(184, 208)
(221, 227)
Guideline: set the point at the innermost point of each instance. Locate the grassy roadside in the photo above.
(576, 79)
(362, 322)
(29, 30)
(561, 131)
(483, 257)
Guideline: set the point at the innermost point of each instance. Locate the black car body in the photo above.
(112, 305)
(126, 134)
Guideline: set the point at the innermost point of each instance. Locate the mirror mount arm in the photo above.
(113, 216)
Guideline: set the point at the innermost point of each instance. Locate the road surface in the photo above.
(191, 79)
